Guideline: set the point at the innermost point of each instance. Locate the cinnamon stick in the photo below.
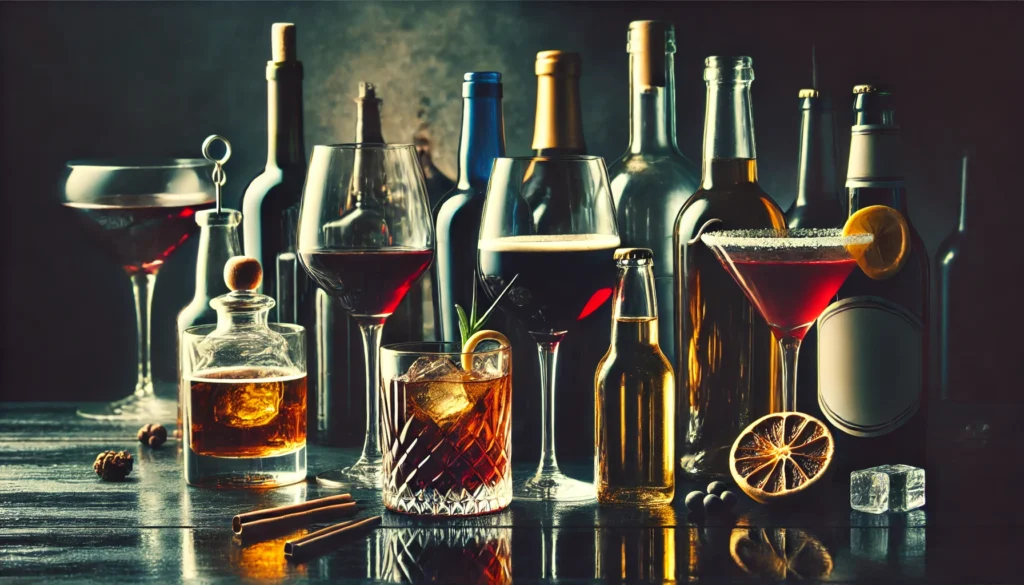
(239, 520)
(279, 524)
(321, 541)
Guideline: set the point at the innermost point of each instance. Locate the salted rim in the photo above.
(774, 239)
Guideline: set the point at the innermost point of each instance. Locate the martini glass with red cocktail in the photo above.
(790, 277)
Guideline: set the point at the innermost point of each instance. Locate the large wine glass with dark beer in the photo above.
(551, 221)
(140, 213)
(365, 236)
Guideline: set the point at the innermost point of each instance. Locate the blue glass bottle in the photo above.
(457, 215)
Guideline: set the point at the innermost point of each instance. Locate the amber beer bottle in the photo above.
(727, 357)
(873, 341)
(634, 419)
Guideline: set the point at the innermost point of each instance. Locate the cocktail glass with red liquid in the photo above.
(140, 213)
(365, 236)
(790, 277)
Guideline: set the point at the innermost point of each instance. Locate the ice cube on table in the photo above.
(887, 488)
(429, 368)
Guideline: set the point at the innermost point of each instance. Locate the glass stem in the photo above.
(547, 351)
(371, 329)
(790, 353)
(142, 286)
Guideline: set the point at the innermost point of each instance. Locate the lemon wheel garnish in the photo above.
(474, 340)
(887, 254)
(780, 455)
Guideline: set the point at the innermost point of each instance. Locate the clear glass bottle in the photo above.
(652, 180)
(727, 374)
(218, 242)
(245, 407)
(635, 395)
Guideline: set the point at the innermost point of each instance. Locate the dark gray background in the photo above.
(123, 79)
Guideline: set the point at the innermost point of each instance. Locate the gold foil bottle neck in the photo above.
(650, 41)
(809, 93)
(559, 63)
(559, 121)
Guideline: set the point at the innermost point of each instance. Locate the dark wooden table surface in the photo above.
(58, 520)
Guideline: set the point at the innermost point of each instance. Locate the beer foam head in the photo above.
(553, 243)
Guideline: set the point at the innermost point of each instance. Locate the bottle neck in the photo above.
(368, 124)
(816, 168)
(217, 244)
(875, 171)
(729, 133)
(635, 310)
(652, 104)
(559, 121)
(285, 146)
(482, 140)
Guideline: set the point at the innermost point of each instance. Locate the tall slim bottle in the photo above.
(652, 180)
(340, 374)
(270, 205)
(873, 342)
(558, 131)
(635, 400)
(457, 216)
(218, 241)
(818, 205)
(727, 357)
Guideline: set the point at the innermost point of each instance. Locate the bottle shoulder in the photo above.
(274, 183)
(646, 363)
(738, 207)
(456, 205)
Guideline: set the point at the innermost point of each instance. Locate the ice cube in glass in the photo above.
(887, 488)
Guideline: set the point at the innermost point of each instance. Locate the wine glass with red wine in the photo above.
(549, 222)
(365, 236)
(139, 213)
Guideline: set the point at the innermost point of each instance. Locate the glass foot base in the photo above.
(148, 408)
(364, 474)
(554, 487)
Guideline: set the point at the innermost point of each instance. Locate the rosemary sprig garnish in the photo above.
(468, 325)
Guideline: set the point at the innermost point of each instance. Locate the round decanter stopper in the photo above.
(243, 273)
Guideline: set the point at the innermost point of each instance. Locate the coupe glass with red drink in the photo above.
(139, 213)
(365, 236)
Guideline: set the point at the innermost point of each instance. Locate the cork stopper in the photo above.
(243, 273)
(282, 40)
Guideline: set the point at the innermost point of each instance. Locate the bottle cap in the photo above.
(861, 89)
(634, 254)
(559, 63)
(226, 217)
(809, 93)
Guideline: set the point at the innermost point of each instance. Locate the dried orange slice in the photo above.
(476, 339)
(780, 456)
(887, 254)
(779, 553)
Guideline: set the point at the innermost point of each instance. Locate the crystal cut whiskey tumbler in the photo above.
(445, 429)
